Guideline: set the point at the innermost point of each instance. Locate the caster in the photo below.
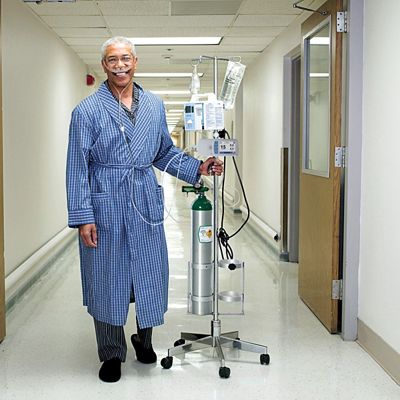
(236, 345)
(179, 342)
(166, 362)
(264, 359)
(224, 372)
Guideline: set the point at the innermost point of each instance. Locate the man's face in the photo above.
(119, 64)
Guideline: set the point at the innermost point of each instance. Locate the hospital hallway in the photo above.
(50, 352)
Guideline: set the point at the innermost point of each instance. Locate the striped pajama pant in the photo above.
(111, 341)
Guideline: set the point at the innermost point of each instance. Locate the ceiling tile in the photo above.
(170, 31)
(82, 32)
(238, 41)
(88, 41)
(274, 7)
(264, 20)
(254, 31)
(214, 7)
(191, 21)
(79, 8)
(125, 8)
(203, 1)
(247, 26)
(74, 21)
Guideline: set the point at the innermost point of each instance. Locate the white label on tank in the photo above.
(205, 234)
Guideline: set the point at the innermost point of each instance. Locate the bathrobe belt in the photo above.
(128, 174)
(129, 167)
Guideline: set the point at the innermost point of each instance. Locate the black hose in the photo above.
(222, 234)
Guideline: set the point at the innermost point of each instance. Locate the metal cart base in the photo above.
(199, 341)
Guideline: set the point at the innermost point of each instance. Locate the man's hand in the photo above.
(212, 166)
(88, 234)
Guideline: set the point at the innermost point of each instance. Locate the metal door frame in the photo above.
(353, 45)
(288, 141)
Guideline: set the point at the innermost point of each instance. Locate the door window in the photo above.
(317, 101)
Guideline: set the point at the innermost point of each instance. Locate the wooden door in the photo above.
(2, 282)
(320, 179)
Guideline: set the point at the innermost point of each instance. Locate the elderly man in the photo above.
(116, 137)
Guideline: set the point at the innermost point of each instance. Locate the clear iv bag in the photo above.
(233, 78)
(195, 82)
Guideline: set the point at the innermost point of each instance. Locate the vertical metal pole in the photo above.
(2, 272)
(215, 208)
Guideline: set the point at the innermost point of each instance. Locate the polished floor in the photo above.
(50, 353)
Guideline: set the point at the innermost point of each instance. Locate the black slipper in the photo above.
(110, 371)
(145, 356)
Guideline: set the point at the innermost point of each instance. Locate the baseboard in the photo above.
(387, 357)
(264, 231)
(21, 279)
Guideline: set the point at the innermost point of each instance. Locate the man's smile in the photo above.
(121, 73)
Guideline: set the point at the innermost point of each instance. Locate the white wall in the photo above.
(42, 81)
(379, 294)
(263, 124)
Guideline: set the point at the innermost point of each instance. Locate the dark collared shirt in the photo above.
(131, 113)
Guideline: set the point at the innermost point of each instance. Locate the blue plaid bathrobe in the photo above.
(116, 189)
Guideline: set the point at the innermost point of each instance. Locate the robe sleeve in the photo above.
(179, 164)
(80, 210)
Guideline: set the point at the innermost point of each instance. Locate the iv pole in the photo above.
(215, 339)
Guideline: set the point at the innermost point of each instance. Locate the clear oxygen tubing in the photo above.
(122, 129)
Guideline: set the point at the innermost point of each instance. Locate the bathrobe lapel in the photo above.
(137, 134)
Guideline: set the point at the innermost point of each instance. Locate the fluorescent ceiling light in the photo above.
(174, 111)
(175, 102)
(319, 75)
(320, 40)
(154, 41)
(170, 91)
(165, 74)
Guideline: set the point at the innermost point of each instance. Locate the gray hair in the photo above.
(117, 40)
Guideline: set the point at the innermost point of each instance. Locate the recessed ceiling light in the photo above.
(165, 74)
(175, 102)
(157, 41)
(170, 91)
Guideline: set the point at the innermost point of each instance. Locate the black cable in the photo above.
(245, 200)
(222, 235)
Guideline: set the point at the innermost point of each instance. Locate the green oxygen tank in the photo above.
(200, 282)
